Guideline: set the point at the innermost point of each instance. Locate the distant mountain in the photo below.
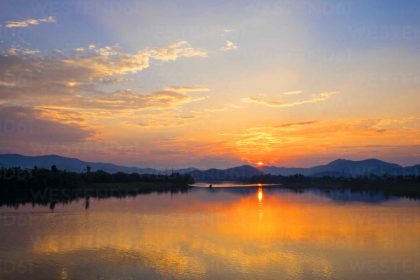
(186, 170)
(413, 170)
(336, 168)
(347, 168)
(65, 163)
(229, 174)
(77, 165)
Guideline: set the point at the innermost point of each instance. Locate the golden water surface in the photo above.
(243, 233)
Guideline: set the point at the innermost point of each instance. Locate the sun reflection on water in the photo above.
(260, 195)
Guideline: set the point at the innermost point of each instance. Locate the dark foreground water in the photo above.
(220, 233)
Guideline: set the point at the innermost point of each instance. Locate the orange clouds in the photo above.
(64, 97)
(23, 126)
(272, 103)
(286, 143)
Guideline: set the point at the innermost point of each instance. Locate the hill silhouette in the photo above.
(336, 168)
(347, 168)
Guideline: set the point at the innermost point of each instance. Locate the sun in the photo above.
(260, 163)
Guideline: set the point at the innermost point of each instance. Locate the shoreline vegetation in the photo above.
(42, 186)
(51, 186)
(405, 186)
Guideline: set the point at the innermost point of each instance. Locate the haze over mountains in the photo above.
(336, 168)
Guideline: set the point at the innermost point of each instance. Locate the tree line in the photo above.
(44, 186)
(38, 178)
(404, 185)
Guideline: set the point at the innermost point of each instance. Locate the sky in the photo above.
(171, 84)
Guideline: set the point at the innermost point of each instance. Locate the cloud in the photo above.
(384, 125)
(229, 46)
(7, 84)
(297, 124)
(11, 51)
(174, 51)
(126, 100)
(42, 76)
(25, 125)
(228, 30)
(21, 51)
(68, 95)
(102, 66)
(108, 61)
(295, 92)
(223, 108)
(165, 120)
(186, 89)
(114, 80)
(272, 103)
(29, 22)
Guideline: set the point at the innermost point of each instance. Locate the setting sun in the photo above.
(260, 163)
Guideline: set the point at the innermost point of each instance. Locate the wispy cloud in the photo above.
(228, 30)
(296, 124)
(186, 89)
(7, 84)
(174, 51)
(223, 108)
(273, 103)
(294, 92)
(21, 51)
(229, 46)
(29, 22)
(120, 103)
(164, 120)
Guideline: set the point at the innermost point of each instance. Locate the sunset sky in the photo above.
(171, 84)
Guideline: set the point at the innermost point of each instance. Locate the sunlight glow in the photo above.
(260, 194)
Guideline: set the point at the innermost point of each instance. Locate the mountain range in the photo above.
(347, 168)
(336, 168)
(65, 163)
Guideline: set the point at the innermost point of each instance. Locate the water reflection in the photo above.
(260, 200)
(260, 194)
(255, 232)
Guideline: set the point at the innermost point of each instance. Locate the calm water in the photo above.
(219, 233)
